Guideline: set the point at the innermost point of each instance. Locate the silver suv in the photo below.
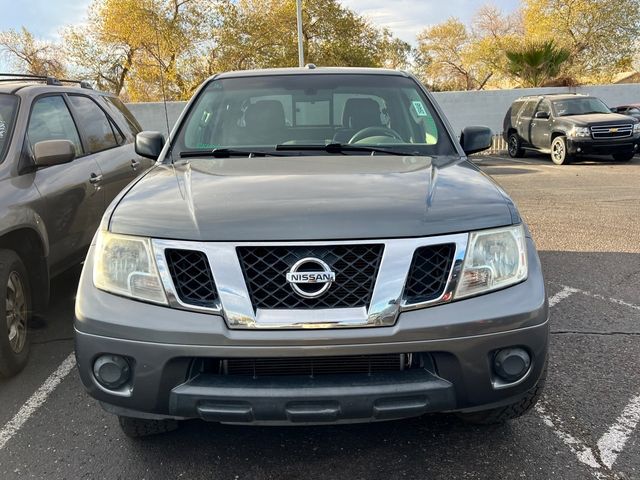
(313, 246)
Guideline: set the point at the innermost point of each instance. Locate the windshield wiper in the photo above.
(226, 153)
(343, 147)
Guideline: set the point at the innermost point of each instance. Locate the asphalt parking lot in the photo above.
(585, 218)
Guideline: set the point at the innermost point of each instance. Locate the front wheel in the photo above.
(623, 157)
(515, 146)
(508, 412)
(15, 311)
(559, 153)
(142, 427)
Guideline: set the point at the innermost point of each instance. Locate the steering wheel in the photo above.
(373, 132)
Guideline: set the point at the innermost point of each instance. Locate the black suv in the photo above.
(566, 125)
(65, 153)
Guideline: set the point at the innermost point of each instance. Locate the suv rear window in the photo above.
(370, 110)
(8, 108)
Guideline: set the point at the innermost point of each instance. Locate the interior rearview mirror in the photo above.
(149, 144)
(542, 115)
(53, 152)
(475, 139)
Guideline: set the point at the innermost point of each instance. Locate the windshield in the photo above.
(8, 107)
(579, 106)
(288, 112)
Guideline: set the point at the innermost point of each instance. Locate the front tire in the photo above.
(15, 313)
(508, 412)
(514, 147)
(559, 153)
(142, 427)
(623, 157)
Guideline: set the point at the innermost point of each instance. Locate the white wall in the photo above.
(461, 108)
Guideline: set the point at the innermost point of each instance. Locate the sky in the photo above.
(405, 18)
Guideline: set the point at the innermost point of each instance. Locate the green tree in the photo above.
(29, 55)
(132, 47)
(262, 33)
(443, 59)
(537, 63)
(599, 34)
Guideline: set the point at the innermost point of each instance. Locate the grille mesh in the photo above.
(314, 366)
(192, 277)
(429, 272)
(355, 267)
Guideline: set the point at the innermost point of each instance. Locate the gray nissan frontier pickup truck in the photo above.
(312, 247)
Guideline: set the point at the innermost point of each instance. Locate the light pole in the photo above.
(300, 45)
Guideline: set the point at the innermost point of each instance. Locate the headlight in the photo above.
(124, 265)
(494, 259)
(636, 128)
(579, 132)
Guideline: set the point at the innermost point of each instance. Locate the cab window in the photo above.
(273, 110)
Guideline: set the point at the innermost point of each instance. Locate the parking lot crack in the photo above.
(578, 332)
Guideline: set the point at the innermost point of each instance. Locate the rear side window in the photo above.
(97, 127)
(527, 110)
(51, 120)
(122, 113)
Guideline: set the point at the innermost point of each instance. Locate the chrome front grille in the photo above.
(611, 131)
(246, 286)
(355, 266)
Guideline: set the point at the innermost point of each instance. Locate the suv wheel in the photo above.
(142, 427)
(515, 146)
(623, 157)
(508, 412)
(15, 310)
(559, 153)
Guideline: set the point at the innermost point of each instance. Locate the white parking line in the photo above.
(36, 400)
(561, 295)
(608, 299)
(612, 442)
(578, 448)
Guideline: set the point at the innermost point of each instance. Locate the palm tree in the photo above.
(537, 63)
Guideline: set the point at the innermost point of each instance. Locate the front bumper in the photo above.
(458, 338)
(588, 146)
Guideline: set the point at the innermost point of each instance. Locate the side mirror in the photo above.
(475, 139)
(542, 115)
(614, 110)
(149, 144)
(53, 152)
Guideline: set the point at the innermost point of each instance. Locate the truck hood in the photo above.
(311, 198)
(598, 119)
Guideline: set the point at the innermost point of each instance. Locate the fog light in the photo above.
(111, 371)
(511, 364)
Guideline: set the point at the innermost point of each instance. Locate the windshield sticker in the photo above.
(419, 108)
